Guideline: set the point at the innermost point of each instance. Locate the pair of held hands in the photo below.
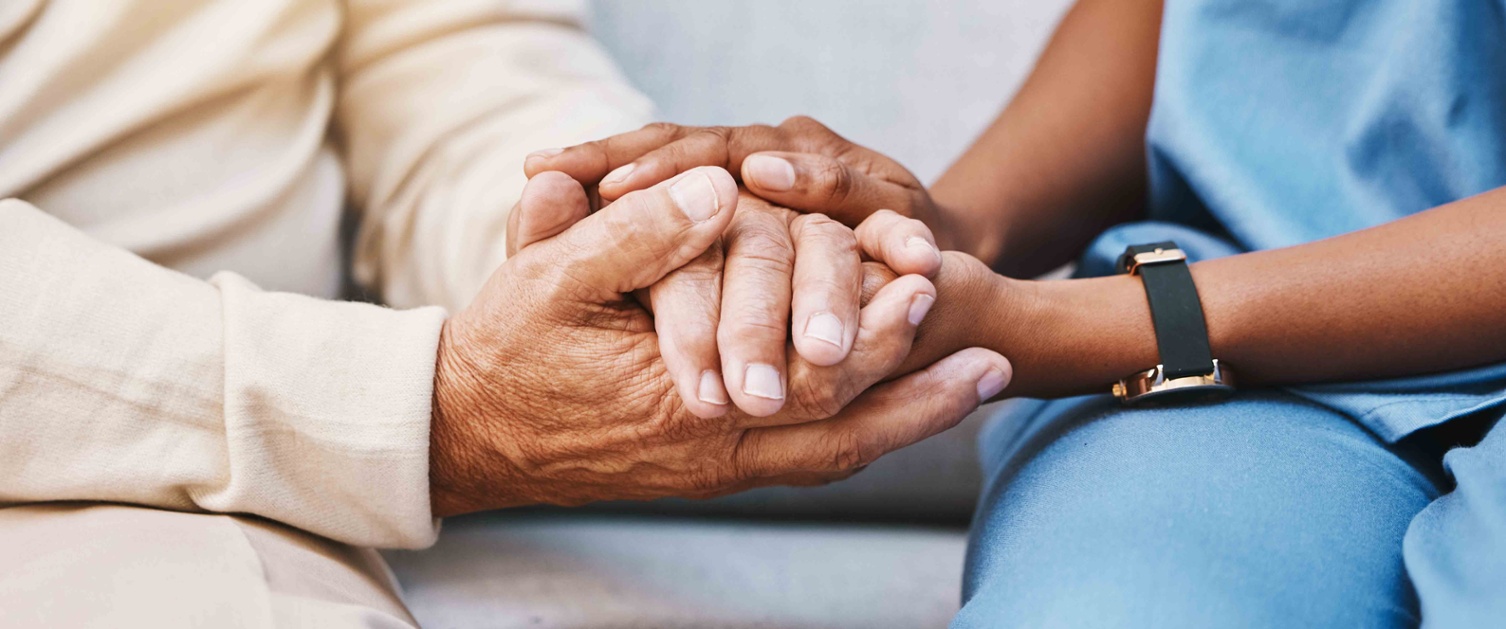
(640, 351)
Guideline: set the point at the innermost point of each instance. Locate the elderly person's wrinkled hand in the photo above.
(550, 387)
(778, 277)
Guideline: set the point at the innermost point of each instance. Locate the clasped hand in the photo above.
(640, 351)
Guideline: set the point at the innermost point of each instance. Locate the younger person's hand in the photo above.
(800, 164)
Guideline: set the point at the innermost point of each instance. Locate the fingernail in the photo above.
(544, 153)
(770, 173)
(620, 175)
(825, 326)
(990, 384)
(710, 390)
(919, 306)
(917, 243)
(695, 196)
(763, 381)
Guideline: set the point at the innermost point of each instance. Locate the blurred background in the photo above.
(914, 79)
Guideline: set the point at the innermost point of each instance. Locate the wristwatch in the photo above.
(1188, 371)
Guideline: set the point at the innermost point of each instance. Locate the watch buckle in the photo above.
(1158, 256)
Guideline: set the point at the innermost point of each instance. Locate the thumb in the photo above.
(643, 236)
(551, 203)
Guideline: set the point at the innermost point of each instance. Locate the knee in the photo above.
(1456, 548)
(1264, 509)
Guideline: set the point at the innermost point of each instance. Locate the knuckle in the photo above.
(751, 131)
(599, 152)
(802, 123)
(901, 230)
(884, 217)
(830, 235)
(820, 223)
(681, 154)
(763, 246)
(597, 147)
(744, 328)
(694, 339)
(702, 278)
(910, 224)
(663, 128)
(877, 225)
(767, 261)
(835, 180)
(713, 143)
(741, 466)
(916, 228)
(817, 397)
(848, 452)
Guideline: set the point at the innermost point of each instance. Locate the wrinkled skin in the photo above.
(550, 387)
(826, 173)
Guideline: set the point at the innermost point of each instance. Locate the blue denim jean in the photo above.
(1266, 510)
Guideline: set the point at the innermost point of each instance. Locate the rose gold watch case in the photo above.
(1152, 387)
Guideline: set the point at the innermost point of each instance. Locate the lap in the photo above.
(1456, 548)
(75, 564)
(1261, 511)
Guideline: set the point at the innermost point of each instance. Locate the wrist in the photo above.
(977, 234)
(447, 456)
(1073, 337)
(463, 468)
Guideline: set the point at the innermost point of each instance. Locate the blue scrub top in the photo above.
(1279, 122)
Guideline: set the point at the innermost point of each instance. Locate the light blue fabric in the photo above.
(1191, 517)
(1279, 122)
(1275, 122)
(1392, 408)
(1264, 511)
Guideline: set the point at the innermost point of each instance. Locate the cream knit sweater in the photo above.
(224, 138)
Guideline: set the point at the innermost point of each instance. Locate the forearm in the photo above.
(1422, 294)
(122, 381)
(1066, 158)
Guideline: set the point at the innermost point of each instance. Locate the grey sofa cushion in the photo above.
(600, 571)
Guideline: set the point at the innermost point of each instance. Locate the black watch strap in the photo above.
(1175, 310)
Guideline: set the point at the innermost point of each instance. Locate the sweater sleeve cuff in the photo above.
(327, 411)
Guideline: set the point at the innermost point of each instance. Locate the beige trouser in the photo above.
(93, 565)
